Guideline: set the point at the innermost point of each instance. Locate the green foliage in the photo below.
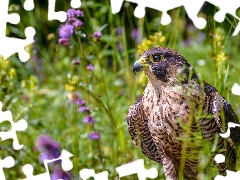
(40, 89)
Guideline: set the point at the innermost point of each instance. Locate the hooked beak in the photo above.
(140, 65)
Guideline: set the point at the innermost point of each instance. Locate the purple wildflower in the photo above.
(80, 102)
(90, 67)
(135, 34)
(78, 23)
(79, 13)
(66, 30)
(50, 154)
(84, 109)
(45, 142)
(58, 173)
(94, 136)
(88, 119)
(63, 41)
(73, 12)
(97, 34)
(71, 20)
(75, 22)
(119, 31)
(49, 148)
(70, 13)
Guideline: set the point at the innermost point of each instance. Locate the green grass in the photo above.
(36, 90)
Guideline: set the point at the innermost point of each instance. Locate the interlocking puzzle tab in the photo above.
(75, 3)
(61, 15)
(219, 158)
(230, 175)
(192, 8)
(21, 125)
(9, 46)
(137, 167)
(230, 125)
(66, 164)
(7, 162)
(229, 7)
(87, 173)
(28, 5)
(236, 88)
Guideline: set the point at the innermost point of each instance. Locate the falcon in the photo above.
(178, 114)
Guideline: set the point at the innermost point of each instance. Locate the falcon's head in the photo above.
(163, 64)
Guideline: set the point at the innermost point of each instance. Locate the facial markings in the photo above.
(143, 61)
(157, 57)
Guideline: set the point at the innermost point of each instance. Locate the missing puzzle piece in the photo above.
(192, 9)
(230, 176)
(21, 125)
(87, 173)
(66, 165)
(7, 162)
(9, 46)
(137, 167)
(227, 7)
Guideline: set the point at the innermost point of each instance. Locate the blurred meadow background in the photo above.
(78, 84)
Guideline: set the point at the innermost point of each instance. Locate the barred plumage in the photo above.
(171, 102)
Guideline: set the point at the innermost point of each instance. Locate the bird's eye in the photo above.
(157, 57)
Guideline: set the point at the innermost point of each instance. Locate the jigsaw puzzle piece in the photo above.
(7, 162)
(237, 29)
(192, 8)
(219, 158)
(21, 125)
(15, 45)
(230, 7)
(230, 175)
(66, 165)
(227, 133)
(75, 3)
(28, 171)
(137, 167)
(66, 162)
(9, 46)
(87, 173)
(236, 88)
(53, 15)
(160, 5)
(116, 5)
(28, 5)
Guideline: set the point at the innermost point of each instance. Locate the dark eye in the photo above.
(157, 57)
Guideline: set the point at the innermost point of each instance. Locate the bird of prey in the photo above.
(177, 102)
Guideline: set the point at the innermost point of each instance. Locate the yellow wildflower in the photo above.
(12, 73)
(155, 40)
